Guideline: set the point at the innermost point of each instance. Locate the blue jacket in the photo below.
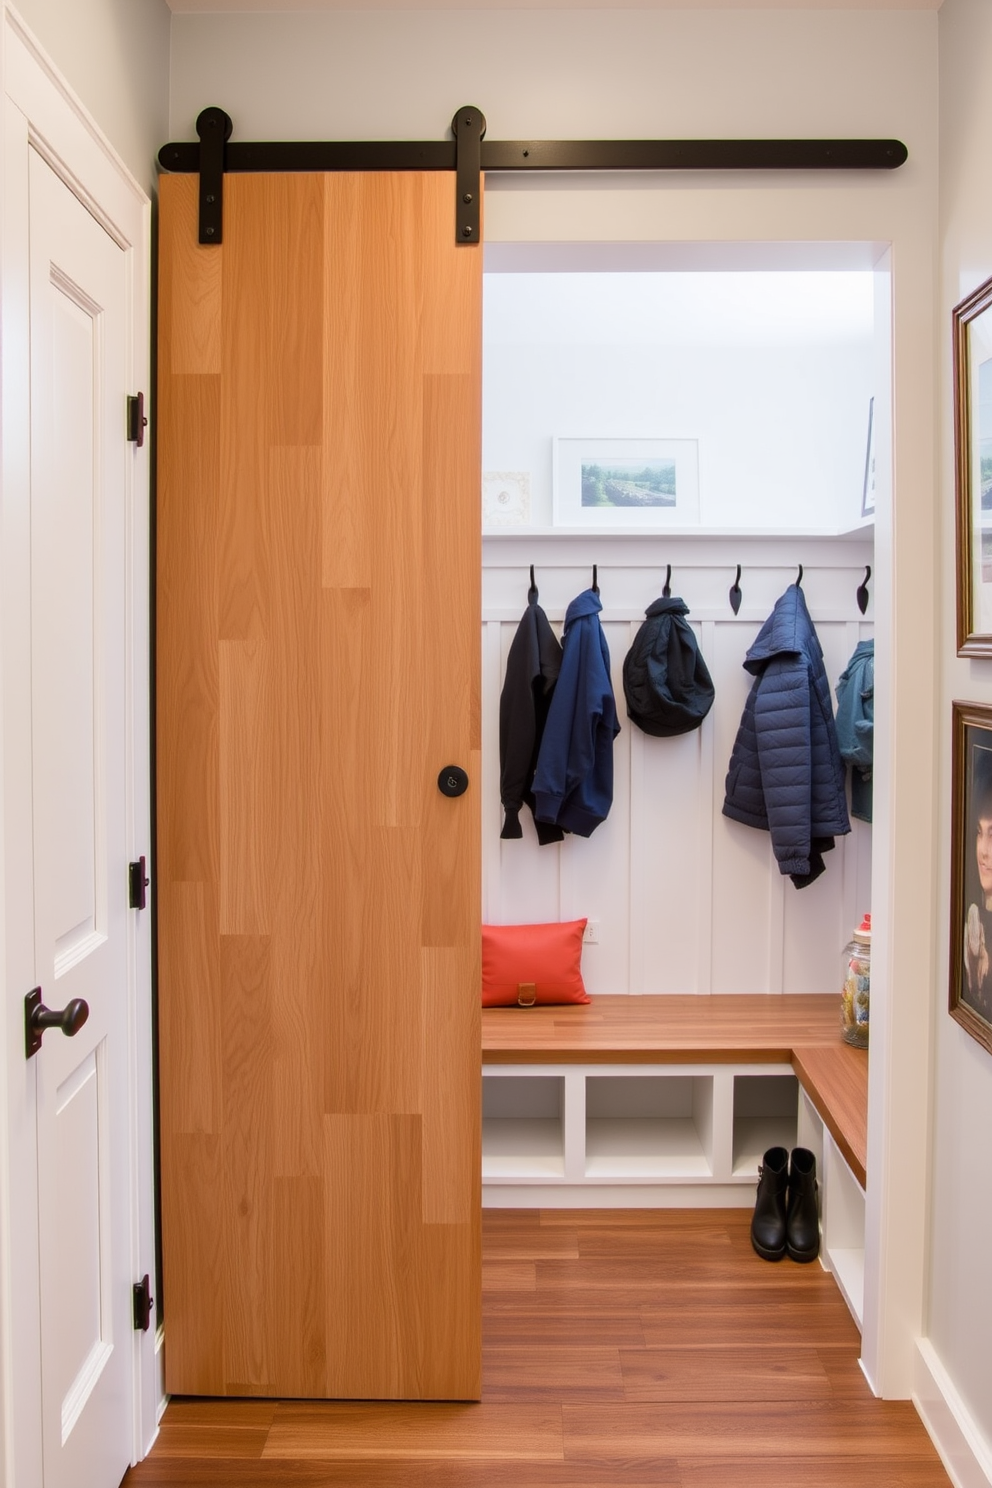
(856, 724)
(786, 775)
(573, 783)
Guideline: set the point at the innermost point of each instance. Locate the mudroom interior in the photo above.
(292, 1204)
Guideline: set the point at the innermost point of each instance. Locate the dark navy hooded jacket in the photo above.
(786, 775)
(573, 783)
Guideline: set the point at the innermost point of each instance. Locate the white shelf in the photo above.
(848, 1267)
(520, 1148)
(664, 534)
(644, 1147)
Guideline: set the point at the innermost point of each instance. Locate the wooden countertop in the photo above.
(798, 1029)
(836, 1081)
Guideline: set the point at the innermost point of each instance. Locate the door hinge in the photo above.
(137, 883)
(142, 1300)
(136, 421)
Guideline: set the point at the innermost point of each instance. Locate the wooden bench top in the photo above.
(836, 1081)
(798, 1029)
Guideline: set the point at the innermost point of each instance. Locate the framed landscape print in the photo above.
(643, 485)
(970, 996)
(972, 322)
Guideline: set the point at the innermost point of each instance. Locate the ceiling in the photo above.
(288, 5)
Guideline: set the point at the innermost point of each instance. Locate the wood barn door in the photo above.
(317, 664)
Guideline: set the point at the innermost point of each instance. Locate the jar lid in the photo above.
(863, 932)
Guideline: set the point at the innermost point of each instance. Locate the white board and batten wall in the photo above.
(682, 898)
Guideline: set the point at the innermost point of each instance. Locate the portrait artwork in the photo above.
(970, 1001)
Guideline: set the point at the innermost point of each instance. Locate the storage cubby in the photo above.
(765, 1115)
(843, 1227)
(522, 1134)
(631, 1133)
(649, 1126)
(842, 1209)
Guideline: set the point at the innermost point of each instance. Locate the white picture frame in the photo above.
(639, 485)
(505, 498)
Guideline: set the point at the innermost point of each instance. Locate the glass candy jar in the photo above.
(854, 998)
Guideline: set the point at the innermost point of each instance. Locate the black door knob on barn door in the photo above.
(452, 781)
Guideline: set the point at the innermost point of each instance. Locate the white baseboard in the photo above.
(964, 1451)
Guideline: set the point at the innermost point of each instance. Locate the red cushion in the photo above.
(547, 957)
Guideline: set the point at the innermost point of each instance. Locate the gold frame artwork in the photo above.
(972, 323)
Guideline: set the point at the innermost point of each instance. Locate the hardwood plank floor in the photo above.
(649, 1348)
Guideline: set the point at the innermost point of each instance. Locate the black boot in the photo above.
(768, 1223)
(802, 1225)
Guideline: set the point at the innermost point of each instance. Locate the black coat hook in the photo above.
(667, 590)
(799, 581)
(735, 592)
(862, 594)
(595, 578)
(532, 591)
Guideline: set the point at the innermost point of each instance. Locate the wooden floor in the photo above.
(634, 1347)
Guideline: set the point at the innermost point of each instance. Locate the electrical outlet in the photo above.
(591, 933)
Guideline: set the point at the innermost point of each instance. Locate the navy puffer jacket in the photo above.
(786, 775)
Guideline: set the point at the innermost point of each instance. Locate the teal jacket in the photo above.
(856, 724)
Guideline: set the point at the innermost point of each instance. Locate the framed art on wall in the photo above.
(868, 493)
(970, 994)
(505, 498)
(972, 322)
(641, 484)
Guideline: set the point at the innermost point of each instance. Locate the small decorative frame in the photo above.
(505, 498)
(868, 495)
(970, 999)
(972, 321)
(641, 485)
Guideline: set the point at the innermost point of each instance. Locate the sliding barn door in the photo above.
(318, 897)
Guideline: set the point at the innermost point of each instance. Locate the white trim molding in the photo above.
(964, 1451)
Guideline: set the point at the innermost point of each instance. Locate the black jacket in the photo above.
(532, 668)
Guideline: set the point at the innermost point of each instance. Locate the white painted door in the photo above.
(78, 304)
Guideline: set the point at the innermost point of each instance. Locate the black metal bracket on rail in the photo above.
(469, 156)
(214, 128)
(468, 126)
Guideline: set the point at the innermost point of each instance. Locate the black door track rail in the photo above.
(469, 155)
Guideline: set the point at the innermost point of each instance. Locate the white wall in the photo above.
(554, 74)
(959, 1321)
(770, 373)
(115, 55)
(621, 74)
